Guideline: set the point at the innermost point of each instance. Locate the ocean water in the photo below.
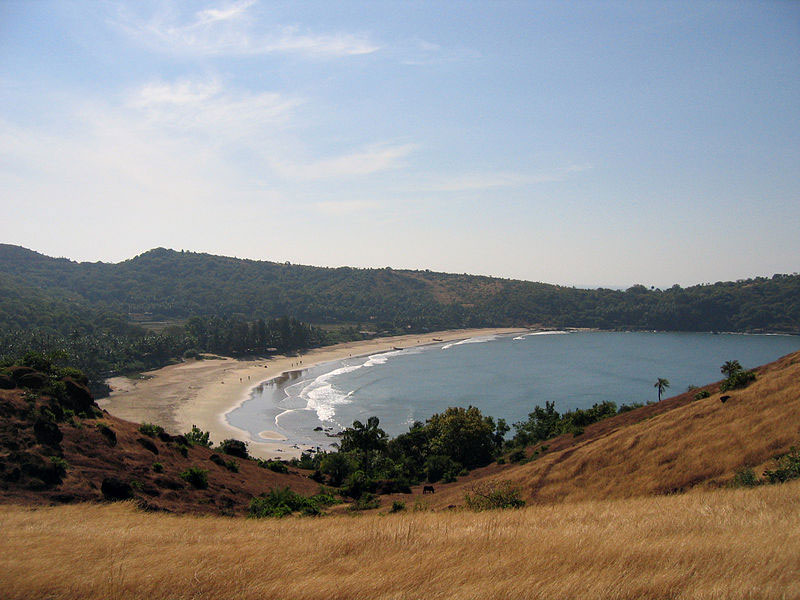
(504, 376)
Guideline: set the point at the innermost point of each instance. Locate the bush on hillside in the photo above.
(196, 476)
(787, 467)
(234, 448)
(150, 429)
(490, 496)
(198, 437)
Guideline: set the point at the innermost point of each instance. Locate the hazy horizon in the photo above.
(593, 144)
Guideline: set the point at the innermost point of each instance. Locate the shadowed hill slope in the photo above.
(673, 446)
(57, 446)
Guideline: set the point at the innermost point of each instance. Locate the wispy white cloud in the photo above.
(205, 107)
(343, 207)
(373, 159)
(231, 30)
(416, 51)
(482, 181)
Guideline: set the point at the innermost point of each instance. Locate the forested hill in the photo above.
(166, 284)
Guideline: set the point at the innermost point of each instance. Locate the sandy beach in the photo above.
(202, 392)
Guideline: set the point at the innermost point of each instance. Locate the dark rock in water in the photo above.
(114, 488)
(47, 432)
(148, 445)
(317, 428)
(79, 398)
(6, 383)
(109, 434)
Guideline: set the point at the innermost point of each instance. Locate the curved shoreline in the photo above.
(203, 392)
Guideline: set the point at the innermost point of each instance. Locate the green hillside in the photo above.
(166, 284)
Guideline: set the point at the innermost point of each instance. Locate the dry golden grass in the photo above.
(701, 545)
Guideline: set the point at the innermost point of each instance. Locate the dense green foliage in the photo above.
(281, 502)
(165, 284)
(196, 476)
(737, 376)
(101, 354)
(444, 447)
(545, 423)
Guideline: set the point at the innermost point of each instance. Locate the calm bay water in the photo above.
(504, 376)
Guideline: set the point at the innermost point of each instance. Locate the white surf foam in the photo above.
(475, 340)
(322, 395)
(522, 337)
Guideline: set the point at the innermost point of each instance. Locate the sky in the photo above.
(578, 143)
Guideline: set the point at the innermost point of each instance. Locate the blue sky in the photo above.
(581, 143)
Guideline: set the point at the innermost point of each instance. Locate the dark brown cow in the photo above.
(428, 489)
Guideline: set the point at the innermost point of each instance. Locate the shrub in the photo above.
(273, 465)
(158, 467)
(357, 484)
(398, 506)
(281, 502)
(232, 465)
(702, 394)
(198, 437)
(366, 501)
(150, 429)
(493, 496)
(234, 448)
(737, 380)
(787, 467)
(60, 464)
(745, 477)
(629, 407)
(196, 476)
(517, 456)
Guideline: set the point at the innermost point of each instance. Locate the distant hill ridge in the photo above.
(169, 284)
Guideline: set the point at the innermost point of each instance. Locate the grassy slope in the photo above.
(669, 447)
(720, 544)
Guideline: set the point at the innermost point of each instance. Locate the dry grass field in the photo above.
(724, 543)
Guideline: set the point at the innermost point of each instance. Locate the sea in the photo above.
(505, 376)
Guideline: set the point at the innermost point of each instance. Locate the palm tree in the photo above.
(730, 367)
(661, 384)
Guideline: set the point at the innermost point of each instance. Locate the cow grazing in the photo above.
(428, 489)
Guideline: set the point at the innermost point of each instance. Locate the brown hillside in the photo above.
(108, 458)
(663, 448)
